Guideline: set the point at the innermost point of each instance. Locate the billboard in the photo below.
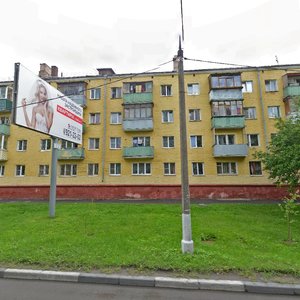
(41, 107)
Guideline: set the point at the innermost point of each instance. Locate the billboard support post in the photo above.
(52, 199)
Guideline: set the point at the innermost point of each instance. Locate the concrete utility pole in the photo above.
(52, 197)
(187, 244)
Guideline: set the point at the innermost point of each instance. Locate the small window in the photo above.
(166, 90)
(22, 145)
(247, 86)
(168, 141)
(68, 170)
(2, 169)
(250, 113)
(255, 168)
(95, 93)
(193, 89)
(94, 118)
(93, 169)
(167, 116)
(20, 170)
(141, 169)
(115, 169)
(43, 170)
(273, 112)
(198, 168)
(271, 85)
(94, 143)
(169, 169)
(226, 168)
(253, 140)
(194, 115)
(196, 141)
(115, 143)
(45, 145)
(116, 92)
(115, 118)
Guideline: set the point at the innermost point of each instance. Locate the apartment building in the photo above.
(131, 140)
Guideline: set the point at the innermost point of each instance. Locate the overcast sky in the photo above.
(136, 35)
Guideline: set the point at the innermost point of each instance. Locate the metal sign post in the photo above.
(52, 199)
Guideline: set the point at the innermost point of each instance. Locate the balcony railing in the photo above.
(138, 152)
(5, 105)
(138, 125)
(71, 154)
(4, 129)
(3, 155)
(237, 150)
(291, 90)
(223, 95)
(228, 122)
(137, 98)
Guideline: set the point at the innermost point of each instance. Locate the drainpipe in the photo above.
(104, 129)
(262, 105)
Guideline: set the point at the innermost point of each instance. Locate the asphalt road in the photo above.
(12, 289)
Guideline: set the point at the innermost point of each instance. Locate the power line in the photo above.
(217, 62)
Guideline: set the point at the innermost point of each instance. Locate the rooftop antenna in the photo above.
(276, 58)
(182, 26)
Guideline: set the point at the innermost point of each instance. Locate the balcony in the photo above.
(229, 122)
(4, 129)
(79, 99)
(237, 150)
(138, 152)
(138, 125)
(225, 95)
(291, 90)
(3, 155)
(5, 105)
(71, 154)
(137, 98)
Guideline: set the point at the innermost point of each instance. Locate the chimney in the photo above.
(45, 71)
(54, 71)
(106, 71)
(175, 64)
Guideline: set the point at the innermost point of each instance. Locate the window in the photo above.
(226, 81)
(20, 170)
(271, 85)
(68, 145)
(169, 168)
(141, 169)
(116, 92)
(93, 169)
(73, 89)
(68, 170)
(168, 141)
(115, 169)
(115, 143)
(194, 115)
(226, 168)
(3, 142)
(95, 93)
(43, 170)
(197, 168)
(167, 116)
(253, 140)
(2, 169)
(227, 108)
(224, 139)
(137, 87)
(22, 145)
(45, 144)
(273, 112)
(141, 141)
(138, 111)
(193, 89)
(196, 141)
(94, 143)
(247, 86)
(115, 118)
(166, 90)
(4, 120)
(95, 118)
(6, 92)
(255, 168)
(250, 112)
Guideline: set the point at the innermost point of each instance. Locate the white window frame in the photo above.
(115, 169)
(274, 112)
(166, 90)
(142, 169)
(196, 165)
(20, 170)
(250, 113)
(94, 118)
(141, 141)
(45, 144)
(271, 85)
(2, 170)
(115, 143)
(193, 89)
(194, 142)
(115, 118)
(227, 139)
(247, 86)
(250, 144)
(167, 141)
(169, 169)
(167, 116)
(116, 92)
(21, 145)
(95, 94)
(69, 170)
(194, 115)
(68, 145)
(231, 170)
(93, 169)
(43, 170)
(253, 162)
(94, 143)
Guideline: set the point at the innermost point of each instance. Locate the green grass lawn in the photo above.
(238, 238)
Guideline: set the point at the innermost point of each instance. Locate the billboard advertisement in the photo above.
(41, 107)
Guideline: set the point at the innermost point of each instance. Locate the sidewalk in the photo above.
(154, 281)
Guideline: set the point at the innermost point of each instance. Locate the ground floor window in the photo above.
(20, 170)
(2, 168)
(169, 168)
(255, 168)
(93, 169)
(68, 170)
(226, 168)
(197, 168)
(115, 169)
(43, 170)
(141, 169)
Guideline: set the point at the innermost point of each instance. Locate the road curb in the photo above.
(149, 281)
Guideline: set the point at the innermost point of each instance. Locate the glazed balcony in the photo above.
(71, 154)
(291, 90)
(228, 122)
(138, 152)
(4, 129)
(3, 155)
(225, 95)
(138, 98)
(79, 99)
(138, 124)
(236, 150)
(5, 105)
